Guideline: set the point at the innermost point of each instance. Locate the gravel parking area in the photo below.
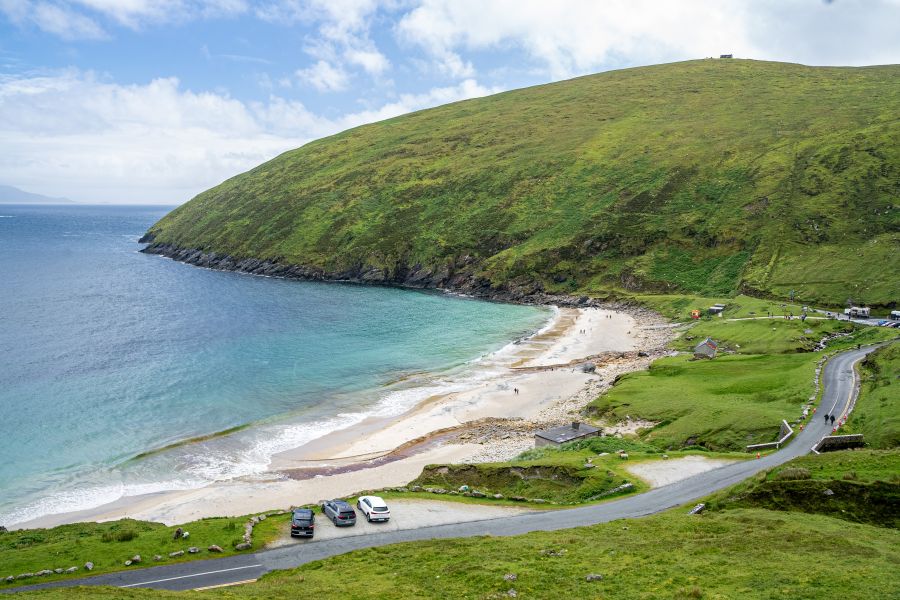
(405, 514)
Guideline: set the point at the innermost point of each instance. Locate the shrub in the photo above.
(793, 473)
(119, 536)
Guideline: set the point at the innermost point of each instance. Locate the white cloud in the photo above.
(324, 76)
(343, 37)
(74, 134)
(569, 37)
(78, 19)
(52, 18)
(371, 61)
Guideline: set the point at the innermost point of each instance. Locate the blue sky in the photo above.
(155, 100)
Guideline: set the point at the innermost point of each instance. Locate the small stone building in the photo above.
(706, 349)
(566, 433)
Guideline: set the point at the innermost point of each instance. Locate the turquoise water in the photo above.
(107, 353)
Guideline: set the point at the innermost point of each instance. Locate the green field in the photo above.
(877, 412)
(722, 404)
(706, 176)
(109, 545)
(739, 553)
(762, 336)
(861, 486)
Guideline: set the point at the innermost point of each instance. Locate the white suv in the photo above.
(374, 508)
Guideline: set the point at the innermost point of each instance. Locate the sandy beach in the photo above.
(535, 383)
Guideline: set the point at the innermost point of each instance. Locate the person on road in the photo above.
(832, 419)
(826, 418)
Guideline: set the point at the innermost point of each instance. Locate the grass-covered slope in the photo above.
(861, 486)
(705, 176)
(741, 553)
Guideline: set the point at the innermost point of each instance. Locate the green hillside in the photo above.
(708, 176)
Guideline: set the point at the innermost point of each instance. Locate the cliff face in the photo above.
(705, 176)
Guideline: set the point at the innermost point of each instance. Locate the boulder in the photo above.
(157, 557)
(477, 494)
(215, 548)
(242, 546)
(25, 576)
(58, 571)
(176, 554)
(261, 518)
(193, 550)
(512, 593)
(127, 563)
(510, 577)
(828, 492)
(498, 496)
(88, 566)
(593, 577)
(71, 570)
(10, 579)
(136, 558)
(44, 572)
(178, 534)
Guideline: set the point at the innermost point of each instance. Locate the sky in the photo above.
(153, 101)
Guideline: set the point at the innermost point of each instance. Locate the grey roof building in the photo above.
(566, 433)
(706, 349)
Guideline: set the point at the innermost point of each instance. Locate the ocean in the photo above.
(114, 364)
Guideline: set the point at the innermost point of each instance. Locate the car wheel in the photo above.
(369, 518)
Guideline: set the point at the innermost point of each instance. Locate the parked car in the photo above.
(303, 522)
(340, 513)
(374, 508)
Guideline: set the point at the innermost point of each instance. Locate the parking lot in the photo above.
(405, 514)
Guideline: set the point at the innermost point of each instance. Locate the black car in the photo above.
(303, 523)
(340, 513)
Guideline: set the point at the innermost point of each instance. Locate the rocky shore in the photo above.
(457, 278)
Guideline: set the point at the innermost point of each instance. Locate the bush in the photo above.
(119, 536)
(597, 445)
(793, 473)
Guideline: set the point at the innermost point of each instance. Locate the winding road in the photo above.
(839, 389)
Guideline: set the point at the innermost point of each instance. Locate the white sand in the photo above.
(544, 395)
(663, 472)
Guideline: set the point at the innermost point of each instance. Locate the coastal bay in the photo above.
(483, 419)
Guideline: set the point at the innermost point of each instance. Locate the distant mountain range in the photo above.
(13, 195)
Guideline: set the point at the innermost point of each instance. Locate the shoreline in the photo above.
(486, 420)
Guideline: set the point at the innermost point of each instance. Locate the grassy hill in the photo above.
(708, 176)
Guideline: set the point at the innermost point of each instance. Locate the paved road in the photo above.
(839, 383)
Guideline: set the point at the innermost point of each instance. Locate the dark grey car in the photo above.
(303, 523)
(340, 513)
